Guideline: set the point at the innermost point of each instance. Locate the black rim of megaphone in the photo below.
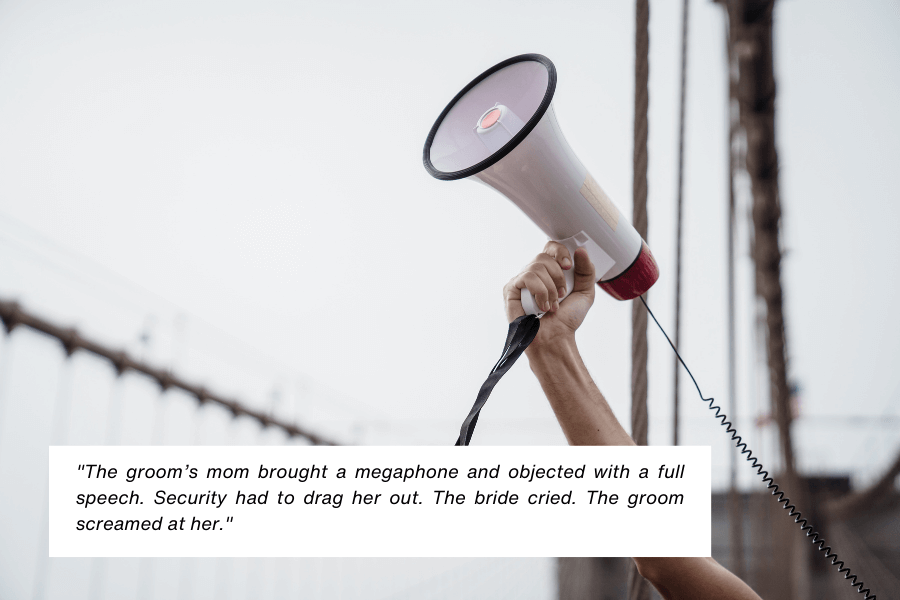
(511, 144)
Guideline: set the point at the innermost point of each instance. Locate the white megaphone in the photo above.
(501, 130)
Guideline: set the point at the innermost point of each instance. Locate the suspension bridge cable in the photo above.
(116, 284)
(638, 587)
(679, 210)
(12, 315)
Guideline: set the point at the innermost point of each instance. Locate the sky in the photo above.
(240, 185)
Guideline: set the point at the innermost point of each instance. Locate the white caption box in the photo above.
(555, 514)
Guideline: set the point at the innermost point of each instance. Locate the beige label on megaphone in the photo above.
(594, 194)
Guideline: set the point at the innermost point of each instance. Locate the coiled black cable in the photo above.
(770, 483)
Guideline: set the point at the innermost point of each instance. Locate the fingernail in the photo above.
(566, 263)
(556, 306)
(547, 305)
(562, 292)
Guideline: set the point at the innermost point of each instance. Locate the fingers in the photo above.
(541, 287)
(559, 253)
(549, 269)
(584, 272)
(545, 279)
(538, 280)
(513, 297)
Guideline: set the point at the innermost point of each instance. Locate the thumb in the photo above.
(584, 272)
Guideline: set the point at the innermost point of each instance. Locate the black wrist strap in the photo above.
(521, 333)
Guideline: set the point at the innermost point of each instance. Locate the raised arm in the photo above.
(583, 413)
(585, 417)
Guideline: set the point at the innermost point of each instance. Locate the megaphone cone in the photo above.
(501, 130)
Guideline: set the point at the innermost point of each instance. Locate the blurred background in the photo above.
(232, 193)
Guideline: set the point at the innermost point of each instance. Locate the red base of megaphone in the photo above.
(636, 279)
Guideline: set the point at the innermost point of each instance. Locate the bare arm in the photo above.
(693, 578)
(585, 416)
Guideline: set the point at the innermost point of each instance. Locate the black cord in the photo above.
(770, 483)
(522, 332)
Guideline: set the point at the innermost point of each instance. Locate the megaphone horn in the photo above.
(501, 130)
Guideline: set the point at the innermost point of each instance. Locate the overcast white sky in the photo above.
(243, 180)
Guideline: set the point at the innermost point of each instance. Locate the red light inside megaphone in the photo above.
(490, 118)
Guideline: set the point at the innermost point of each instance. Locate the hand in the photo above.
(544, 279)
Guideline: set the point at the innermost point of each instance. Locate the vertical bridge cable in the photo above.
(675, 370)
(639, 316)
(58, 427)
(638, 588)
(5, 360)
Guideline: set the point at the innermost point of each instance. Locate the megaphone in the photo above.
(501, 130)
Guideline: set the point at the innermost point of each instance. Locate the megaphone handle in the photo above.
(528, 301)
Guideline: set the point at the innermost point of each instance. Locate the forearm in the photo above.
(582, 411)
(586, 419)
(693, 579)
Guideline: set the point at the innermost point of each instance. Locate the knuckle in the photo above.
(546, 260)
(536, 267)
(554, 269)
(535, 284)
(552, 248)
